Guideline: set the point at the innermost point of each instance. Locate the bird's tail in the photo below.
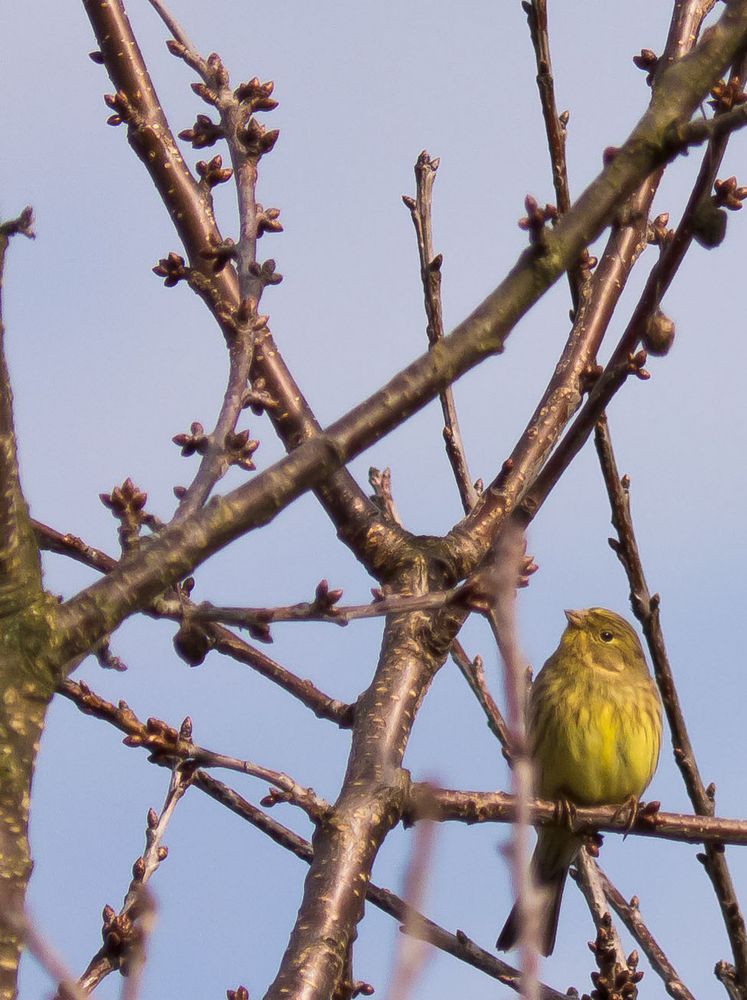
(552, 856)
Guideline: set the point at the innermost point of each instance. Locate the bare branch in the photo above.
(631, 917)
(99, 609)
(589, 882)
(192, 215)
(474, 673)
(646, 609)
(213, 636)
(167, 744)
(124, 932)
(443, 804)
(430, 274)
(458, 944)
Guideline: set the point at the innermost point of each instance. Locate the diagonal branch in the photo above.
(179, 548)
(153, 142)
(630, 915)
(123, 931)
(597, 298)
(213, 636)
(458, 945)
(646, 609)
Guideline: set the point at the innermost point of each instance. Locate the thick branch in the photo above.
(370, 803)
(177, 550)
(355, 517)
(20, 569)
(458, 945)
(26, 617)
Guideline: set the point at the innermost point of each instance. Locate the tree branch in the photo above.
(179, 548)
(443, 804)
(356, 519)
(630, 915)
(646, 609)
(458, 945)
(212, 636)
(430, 274)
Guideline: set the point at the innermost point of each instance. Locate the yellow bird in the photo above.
(595, 730)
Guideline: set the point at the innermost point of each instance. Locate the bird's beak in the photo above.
(575, 618)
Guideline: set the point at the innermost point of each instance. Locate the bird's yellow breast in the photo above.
(596, 740)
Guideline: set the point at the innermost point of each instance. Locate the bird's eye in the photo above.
(606, 636)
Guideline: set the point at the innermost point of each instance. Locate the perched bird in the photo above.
(594, 727)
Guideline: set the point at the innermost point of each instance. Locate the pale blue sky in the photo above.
(108, 365)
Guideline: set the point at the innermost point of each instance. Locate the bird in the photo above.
(594, 729)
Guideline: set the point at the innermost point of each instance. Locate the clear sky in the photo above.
(107, 365)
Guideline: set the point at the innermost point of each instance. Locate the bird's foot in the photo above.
(629, 811)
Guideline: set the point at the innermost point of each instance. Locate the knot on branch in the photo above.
(194, 442)
(192, 644)
(726, 95)
(635, 365)
(325, 599)
(649, 62)
(124, 110)
(589, 377)
(258, 399)
(127, 504)
(106, 658)
(22, 225)
(121, 934)
(212, 172)
(242, 993)
(613, 981)
(586, 263)
(203, 133)
(172, 269)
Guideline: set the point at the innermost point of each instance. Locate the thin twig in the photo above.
(381, 483)
(173, 25)
(458, 944)
(235, 116)
(555, 124)
(630, 915)
(167, 744)
(122, 932)
(646, 609)
(589, 882)
(191, 212)
(430, 273)
(474, 673)
(217, 637)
